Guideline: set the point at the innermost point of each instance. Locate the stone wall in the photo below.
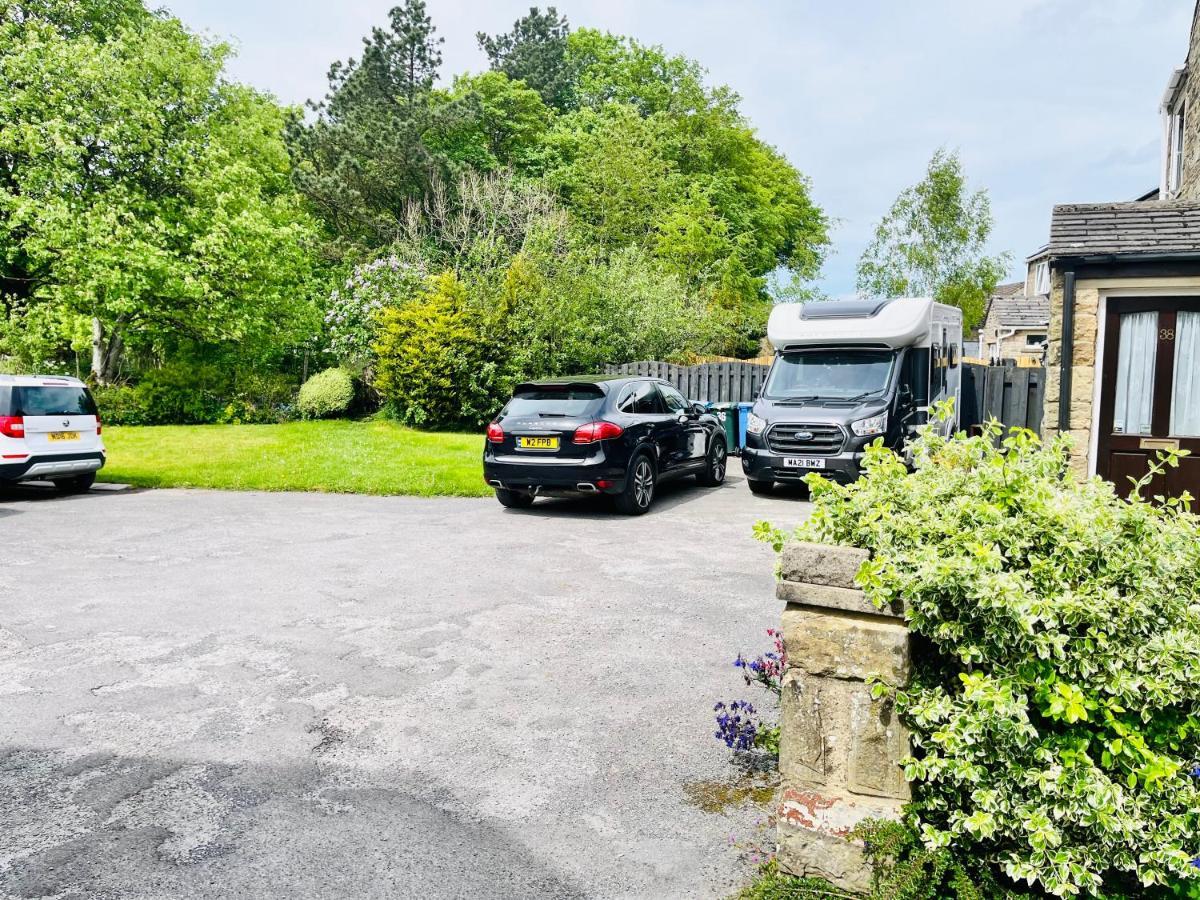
(1189, 186)
(1083, 371)
(839, 749)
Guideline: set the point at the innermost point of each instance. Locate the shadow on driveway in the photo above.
(111, 825)
(674, 494)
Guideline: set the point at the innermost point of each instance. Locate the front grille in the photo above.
(798, 440)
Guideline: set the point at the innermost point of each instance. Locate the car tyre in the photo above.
(760, 487)
(638, 494)
(514, 499)
(714, 465)
(77, 484)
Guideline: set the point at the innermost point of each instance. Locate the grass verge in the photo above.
(369, 457)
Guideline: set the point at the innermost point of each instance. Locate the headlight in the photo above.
(755, 424)
(874, 425)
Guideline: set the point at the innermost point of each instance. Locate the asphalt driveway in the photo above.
(207, 694)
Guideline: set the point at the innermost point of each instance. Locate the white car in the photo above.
(49, 431)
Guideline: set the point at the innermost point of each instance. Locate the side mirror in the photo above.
(905, 394)
(697, 409)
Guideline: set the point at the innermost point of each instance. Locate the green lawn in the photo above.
(372, 457)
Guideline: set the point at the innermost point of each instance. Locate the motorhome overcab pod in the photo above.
(845, 373)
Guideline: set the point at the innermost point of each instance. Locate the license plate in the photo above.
(63, 435)
(803, 462)
(537, 443)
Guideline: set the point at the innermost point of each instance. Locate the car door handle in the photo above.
(682, 419)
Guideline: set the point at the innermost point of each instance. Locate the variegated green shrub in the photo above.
(1056, 708)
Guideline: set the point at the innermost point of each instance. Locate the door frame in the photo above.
(1111, 289)
(1104, 402)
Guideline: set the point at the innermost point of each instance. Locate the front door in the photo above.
(1150, 394)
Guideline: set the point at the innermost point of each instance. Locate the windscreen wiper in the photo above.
(863, 396)
(796, 401)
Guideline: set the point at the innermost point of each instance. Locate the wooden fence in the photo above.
(723, 382)
(1012, 395)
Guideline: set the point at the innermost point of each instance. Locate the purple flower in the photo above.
(736, 725)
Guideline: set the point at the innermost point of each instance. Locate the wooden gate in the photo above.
(1011, 395)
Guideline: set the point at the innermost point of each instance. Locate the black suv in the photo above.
(618, 436)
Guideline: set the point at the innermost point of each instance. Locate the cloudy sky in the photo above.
(1048, 101)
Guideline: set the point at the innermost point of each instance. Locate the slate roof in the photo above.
(1009, 289)
(1020, 311)
(1149, 227)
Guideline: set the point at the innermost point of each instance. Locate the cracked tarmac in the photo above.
(208, 694)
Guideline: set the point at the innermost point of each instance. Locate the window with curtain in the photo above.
(1185, 397)
(1137, 345)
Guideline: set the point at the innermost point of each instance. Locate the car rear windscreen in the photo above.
(572, 401)
(51, 400)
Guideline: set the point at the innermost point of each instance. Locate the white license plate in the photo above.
(803, 462)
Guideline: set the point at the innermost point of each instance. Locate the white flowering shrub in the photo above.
(1055, 712)
(352, 311)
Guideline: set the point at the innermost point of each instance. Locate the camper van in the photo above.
(846, 373)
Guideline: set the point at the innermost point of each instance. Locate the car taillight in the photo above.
(12, 426)
(495, 434)
(99, 425)
(597, 431)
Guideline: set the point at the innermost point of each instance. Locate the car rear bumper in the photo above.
(762, 465)
(51, 465)
(555, 478)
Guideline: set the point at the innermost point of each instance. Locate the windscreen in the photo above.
(52, 401)
(555, 402)
(835, 374)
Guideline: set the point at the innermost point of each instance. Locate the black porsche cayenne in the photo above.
(619, 436)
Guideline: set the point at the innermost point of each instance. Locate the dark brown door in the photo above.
(1150, 393)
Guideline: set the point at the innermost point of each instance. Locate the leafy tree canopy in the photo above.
(143, 199)
(931, 243)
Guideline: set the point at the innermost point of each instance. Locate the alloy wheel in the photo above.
(643, 483)
(718, 463)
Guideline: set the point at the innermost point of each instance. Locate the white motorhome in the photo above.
(846, 373)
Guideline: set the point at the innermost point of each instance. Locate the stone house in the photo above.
(1015, 325)
(1123, 350)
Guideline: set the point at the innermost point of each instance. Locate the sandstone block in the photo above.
(822, 564)
(821, 596)
(845, 645)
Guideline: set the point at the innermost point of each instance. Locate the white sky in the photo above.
(1048, 101)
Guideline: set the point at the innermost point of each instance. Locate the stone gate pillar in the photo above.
(839, 749)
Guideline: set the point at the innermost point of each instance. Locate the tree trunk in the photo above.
(105, 354)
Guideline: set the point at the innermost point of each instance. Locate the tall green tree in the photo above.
(143, 198)
(365, 155)
(655, 158)
(494, 122)
(932, 243)
(535, 52)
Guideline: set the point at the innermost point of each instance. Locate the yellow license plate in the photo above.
(63, 435)
(537, 443)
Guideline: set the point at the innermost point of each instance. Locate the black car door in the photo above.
(643, 404)
(688, 437)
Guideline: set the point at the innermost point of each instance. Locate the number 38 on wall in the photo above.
(1166, 334)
